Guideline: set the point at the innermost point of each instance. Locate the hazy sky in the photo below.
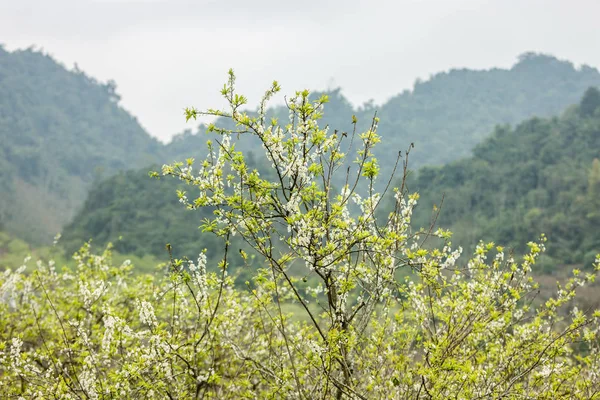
(169, 54)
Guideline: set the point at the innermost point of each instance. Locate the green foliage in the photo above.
(13, 251)
(590, 102)
(139, 216)
(541, 176)
(444, 330)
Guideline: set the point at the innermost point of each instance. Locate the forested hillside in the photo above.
(59, 131)
(470, 219)
(542, 176)
(140, 215)
(449, 114)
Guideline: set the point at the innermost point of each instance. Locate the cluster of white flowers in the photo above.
(9, 287)
(451, 257)
(147, 316)
(15, 353)
(92, 291)
(110, 324)
(198, 272)
(88, 380)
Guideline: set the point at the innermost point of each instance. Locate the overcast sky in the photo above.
(169, 54)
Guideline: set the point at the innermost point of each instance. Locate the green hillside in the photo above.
(140, 215)
(60, 130)
(449, 114)
(542, 176)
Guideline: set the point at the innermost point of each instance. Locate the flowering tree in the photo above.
(381, 315)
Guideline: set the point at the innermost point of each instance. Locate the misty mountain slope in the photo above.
(59, 131)
(447, 115)
(542, 176)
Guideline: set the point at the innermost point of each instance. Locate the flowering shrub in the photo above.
(382, 315)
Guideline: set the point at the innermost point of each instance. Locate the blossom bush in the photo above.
(378, 311)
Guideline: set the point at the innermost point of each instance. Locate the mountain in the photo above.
(447, 115)
(542, 176)
(60, 130)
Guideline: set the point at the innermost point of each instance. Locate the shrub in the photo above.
(381, 315)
